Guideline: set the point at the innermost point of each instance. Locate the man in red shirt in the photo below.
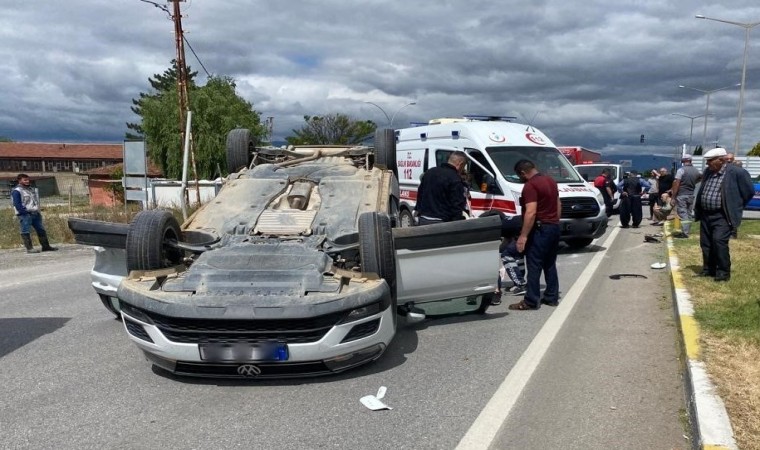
(539, 237)
(602, 182)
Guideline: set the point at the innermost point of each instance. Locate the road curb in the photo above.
(709, 420)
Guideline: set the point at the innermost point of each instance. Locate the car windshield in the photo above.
(548, 160)
(591, 172)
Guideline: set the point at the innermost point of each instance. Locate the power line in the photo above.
(196, 56)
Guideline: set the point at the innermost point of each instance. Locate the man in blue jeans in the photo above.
(27, 206)
(539, 237)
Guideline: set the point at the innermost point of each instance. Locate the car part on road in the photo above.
(618, 276)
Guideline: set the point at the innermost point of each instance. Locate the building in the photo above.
(42, 158)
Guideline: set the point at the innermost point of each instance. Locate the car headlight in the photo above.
(361, 313)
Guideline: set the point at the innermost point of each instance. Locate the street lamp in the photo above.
(707, 105)
(390, 119)
(691, 129)
(747, 27)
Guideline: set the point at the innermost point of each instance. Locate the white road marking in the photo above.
(483, 431)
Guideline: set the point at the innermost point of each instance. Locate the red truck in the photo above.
(580, 155)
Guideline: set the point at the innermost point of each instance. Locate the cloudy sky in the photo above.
(592, 73)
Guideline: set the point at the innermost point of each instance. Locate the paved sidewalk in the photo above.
(612, 377)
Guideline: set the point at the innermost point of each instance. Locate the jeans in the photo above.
(685, 209)
(541, 256)
(511, 260)
(714, 233)
(29, 221)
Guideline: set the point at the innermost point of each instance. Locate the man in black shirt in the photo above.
(441, 195)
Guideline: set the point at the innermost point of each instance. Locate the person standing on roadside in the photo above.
(724, 192)
(630, 189)
(26, 204)
(654, 195)
(602, 182)
(683, 188)
(665, 182)
(441, 195)
(539, 236)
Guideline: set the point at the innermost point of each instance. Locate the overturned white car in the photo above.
(296, 267)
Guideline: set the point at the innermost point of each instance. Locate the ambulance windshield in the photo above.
(548, 160)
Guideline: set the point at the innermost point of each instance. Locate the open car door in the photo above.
(447, 268)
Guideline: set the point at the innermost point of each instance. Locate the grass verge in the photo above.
(729, 318)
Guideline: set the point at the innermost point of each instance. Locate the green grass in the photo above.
(729, 309)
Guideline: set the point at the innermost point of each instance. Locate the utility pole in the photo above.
(184, 102)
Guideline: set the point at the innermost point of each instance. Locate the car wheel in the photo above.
(578, 242)
(405, 218)
(146, 246)
(376, 250)
(111, 304)
(385, 149)
(240, 146)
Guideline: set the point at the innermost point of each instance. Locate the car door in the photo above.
(449, 267)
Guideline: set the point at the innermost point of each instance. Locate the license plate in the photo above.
(244, 352)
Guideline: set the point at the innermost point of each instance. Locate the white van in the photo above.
(493, 145)
(590, 171)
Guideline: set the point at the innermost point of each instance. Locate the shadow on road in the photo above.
(16, 333)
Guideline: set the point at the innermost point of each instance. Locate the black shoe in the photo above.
(623, 226)
(548, 303)
(635, 226)
(496, 299)
(723, 278)
(680, 235)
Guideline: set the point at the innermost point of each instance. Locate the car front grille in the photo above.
(579, 207)
(205, 331)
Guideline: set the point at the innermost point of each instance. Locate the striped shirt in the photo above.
(711, 200)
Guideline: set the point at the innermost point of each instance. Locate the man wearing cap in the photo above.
(682, 196)
(722, 196)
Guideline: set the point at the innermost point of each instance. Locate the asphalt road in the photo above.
(70, 378)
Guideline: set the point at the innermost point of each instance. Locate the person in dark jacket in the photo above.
(630, 189)
(441, 196)
(724, 192)
(26, 204)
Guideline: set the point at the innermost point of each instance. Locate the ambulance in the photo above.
(493, 145)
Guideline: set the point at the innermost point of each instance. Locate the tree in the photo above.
(331, 129)
(755, 150)
(698, 150)
(216, 108)
(160, 83)
(5, 139)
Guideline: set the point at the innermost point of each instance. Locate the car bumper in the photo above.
(336, 351)
(586, 228)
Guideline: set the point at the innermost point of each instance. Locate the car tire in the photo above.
(385, 149)
(405, 218)
(240, 146)
(376, 250)
(146, 247)
(579, 242)
(109, 304)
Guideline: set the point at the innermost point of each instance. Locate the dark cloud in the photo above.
(590, 73)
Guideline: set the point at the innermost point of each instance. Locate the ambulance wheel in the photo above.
(578, 242)
(385, 149)
(239, 147)
(405, 218)
(147, 246)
